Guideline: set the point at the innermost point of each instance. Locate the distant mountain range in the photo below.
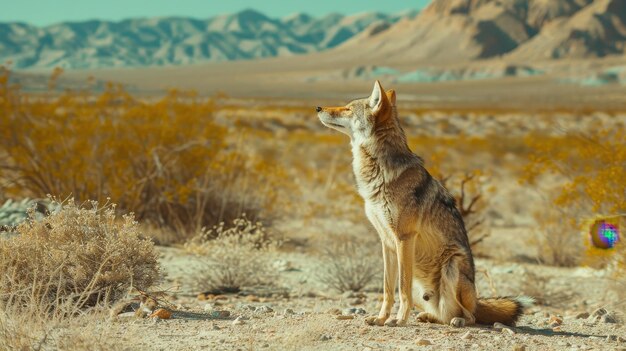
(178, 41)
(445, 32)
(517, 30)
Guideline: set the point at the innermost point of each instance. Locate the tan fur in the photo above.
(425, 247)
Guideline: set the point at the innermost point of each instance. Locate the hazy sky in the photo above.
(44, 12)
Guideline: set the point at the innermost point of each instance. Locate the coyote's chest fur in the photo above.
(380, 180)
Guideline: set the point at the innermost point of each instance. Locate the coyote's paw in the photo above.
(426, 317)
(457, 322)
(375, 321)
(395, 323)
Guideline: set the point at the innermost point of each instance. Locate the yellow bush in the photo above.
(592, 166)
(165, 160)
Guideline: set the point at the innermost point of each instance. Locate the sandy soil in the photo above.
(301, 314)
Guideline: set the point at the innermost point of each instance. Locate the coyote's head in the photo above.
(362, 117)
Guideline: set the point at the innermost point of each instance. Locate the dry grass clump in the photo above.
(234, 257)
(22, 330)
(78, 255)
(350, 265)
(59, 274)
(558, 240)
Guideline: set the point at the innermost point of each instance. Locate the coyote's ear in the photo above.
(391, 95)
(378, 100)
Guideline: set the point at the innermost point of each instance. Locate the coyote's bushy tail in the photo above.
(505, 310)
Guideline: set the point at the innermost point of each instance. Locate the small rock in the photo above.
(354, 310)
(498, 326)
(582, 315)
(215, 327)
(557, 329)
(483, 331)
(423, 342)
(161, 313)
(201, 297)
(621, 339)
(264, 309)
(467, 336)
(608, 318)
(208, 307)
(610, 338)
(220, 314)
(508, 331)
(598, 313)
(342, 317)
(519, 347)
(325, 337)
(555, 321)
(288, 311)
(238, 321)
(220, 297)
(457, 322)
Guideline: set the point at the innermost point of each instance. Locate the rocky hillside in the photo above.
(457, 30)
(175, 41)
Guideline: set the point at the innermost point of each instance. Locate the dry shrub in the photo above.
(81, 256)
(558, 240)
(467, 191)
(167, 160)
(59, 274)
(350, 265)
(234, 257)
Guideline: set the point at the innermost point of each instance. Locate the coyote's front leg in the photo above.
(406, 258)
(389, 287)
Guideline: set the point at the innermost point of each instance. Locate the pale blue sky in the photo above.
(44, 12)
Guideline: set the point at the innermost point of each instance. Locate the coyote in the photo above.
(424, 242)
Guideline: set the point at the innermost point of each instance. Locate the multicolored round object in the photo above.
(604, 234)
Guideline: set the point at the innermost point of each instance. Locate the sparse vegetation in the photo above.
(183, 163)
(59, 274)
(469, 200)
(234, 257)
(350, 265)
(83, 255)
(167, 161)
(592, 167)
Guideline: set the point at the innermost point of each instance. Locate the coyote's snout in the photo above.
(424, 242)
